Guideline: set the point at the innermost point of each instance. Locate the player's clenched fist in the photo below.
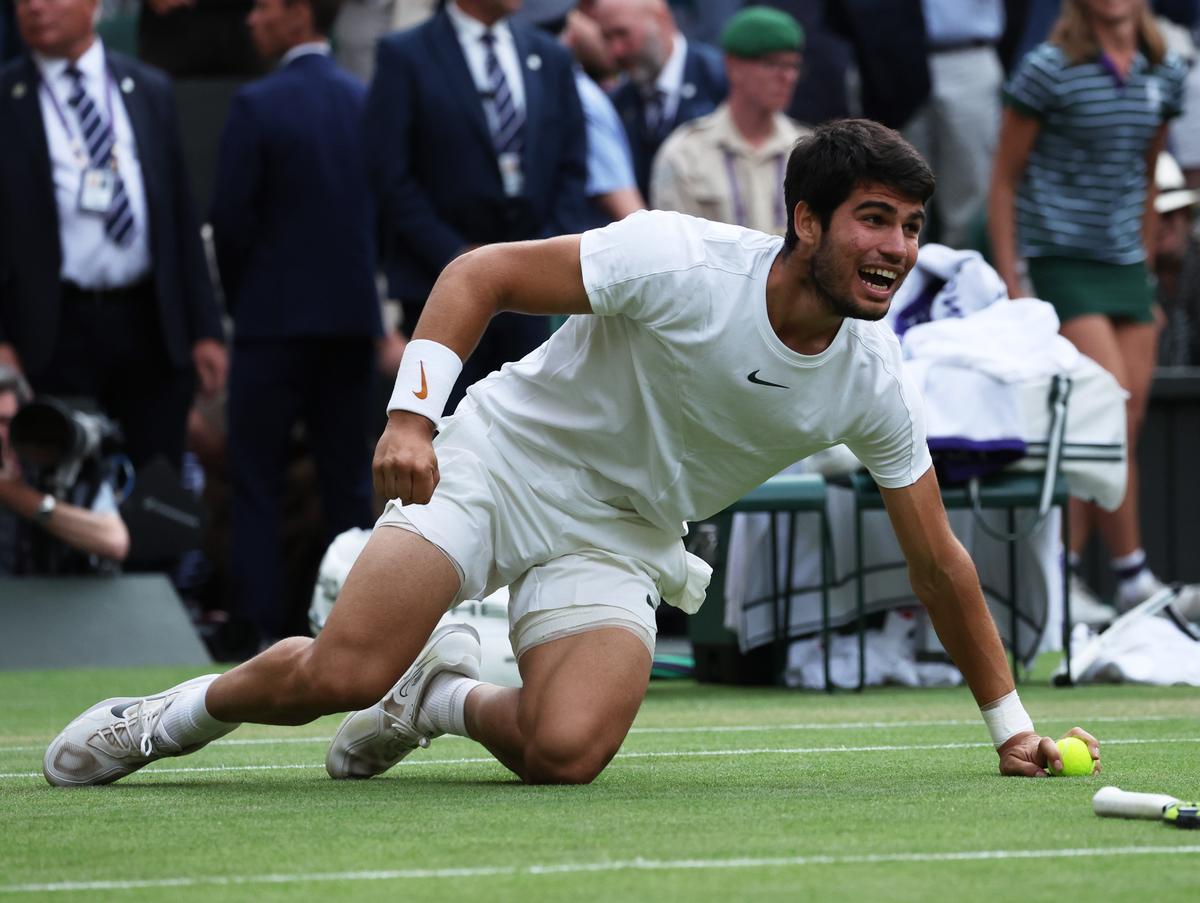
(405, 465)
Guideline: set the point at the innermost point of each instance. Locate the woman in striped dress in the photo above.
(1072, 194)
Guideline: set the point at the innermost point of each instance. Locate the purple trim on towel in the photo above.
(958, 458)
(920, 309)
(1011, 445)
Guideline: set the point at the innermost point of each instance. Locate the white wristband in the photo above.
(427, 373)
(1005, 718)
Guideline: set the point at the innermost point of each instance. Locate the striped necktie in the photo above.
(100, 140)
(507, 127)
(656, 114)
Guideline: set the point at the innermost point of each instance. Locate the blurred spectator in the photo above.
(729, 166)
(1177, 265)
(823, 91)
(474, 135)
(888, 39)
(1184, 136)
(1072, 193)
(89, 525)
(669, 80)
(611, 187)
(197, 38)
(955, 129)
(10, 41)
(104, 290)
(294, 227)
(587, 44)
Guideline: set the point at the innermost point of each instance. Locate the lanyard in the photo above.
(735, 192)
(76, 140)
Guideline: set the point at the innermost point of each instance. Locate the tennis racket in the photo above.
(1111, 802)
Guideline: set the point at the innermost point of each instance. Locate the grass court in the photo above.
(719, 793)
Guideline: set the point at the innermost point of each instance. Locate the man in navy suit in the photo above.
(104, 291)
(474, 135)
(294, 228)
(669, 79)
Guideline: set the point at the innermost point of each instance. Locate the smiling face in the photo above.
(868, 249)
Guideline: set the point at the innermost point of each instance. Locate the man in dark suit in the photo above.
(888, 39)
(669, 79)
(474, 135)
(294, 228)
(104, 290)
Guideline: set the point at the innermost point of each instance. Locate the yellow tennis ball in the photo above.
(1076, 758)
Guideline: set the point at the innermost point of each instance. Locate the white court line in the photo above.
(720, 729)
(621, 865)
(676, 754)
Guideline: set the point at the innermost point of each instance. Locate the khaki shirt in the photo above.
(706, 168)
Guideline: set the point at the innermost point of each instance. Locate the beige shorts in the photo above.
(498, 530)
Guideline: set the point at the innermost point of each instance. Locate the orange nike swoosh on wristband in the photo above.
(424, 386)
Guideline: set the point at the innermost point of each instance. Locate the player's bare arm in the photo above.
(945, 580)
(531, 277)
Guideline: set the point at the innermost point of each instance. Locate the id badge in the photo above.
(510, 173)
(96, 190)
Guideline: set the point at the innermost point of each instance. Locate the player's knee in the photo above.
(567, 757)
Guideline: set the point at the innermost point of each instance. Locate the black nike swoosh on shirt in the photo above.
(753, 377)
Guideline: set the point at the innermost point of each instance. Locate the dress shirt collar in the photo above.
(320, 48)
(470, 30)
(670, 77)
(91, 63)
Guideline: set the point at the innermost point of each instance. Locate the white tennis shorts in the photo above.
(555, 550)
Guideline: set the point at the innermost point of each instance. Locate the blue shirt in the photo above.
(609, 160)
(956, 22)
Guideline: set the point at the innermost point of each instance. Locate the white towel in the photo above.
(1013, 342)
(969, 285)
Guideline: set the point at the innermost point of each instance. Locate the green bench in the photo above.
(1003, 492)
(791, 495)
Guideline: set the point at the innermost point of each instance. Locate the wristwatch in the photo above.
(46, 509)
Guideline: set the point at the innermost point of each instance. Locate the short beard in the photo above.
(822, 270)
(644, 71)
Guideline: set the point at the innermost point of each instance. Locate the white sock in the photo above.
(1127, 564)
(188, 722)
(444, 708)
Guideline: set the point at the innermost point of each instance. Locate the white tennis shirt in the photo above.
(677, 397)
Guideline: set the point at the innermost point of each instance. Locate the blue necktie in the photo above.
(507, 130)
(100, 139)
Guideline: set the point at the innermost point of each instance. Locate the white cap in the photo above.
(1173, 193)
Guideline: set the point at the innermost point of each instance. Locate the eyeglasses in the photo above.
(781, 67)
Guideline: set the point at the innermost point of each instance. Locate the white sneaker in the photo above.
(371, 741)
(114, 738)
(1086, 607)
(1146, 584)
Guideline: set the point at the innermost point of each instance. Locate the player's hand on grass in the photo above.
(405, 465)
(1029, 755)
